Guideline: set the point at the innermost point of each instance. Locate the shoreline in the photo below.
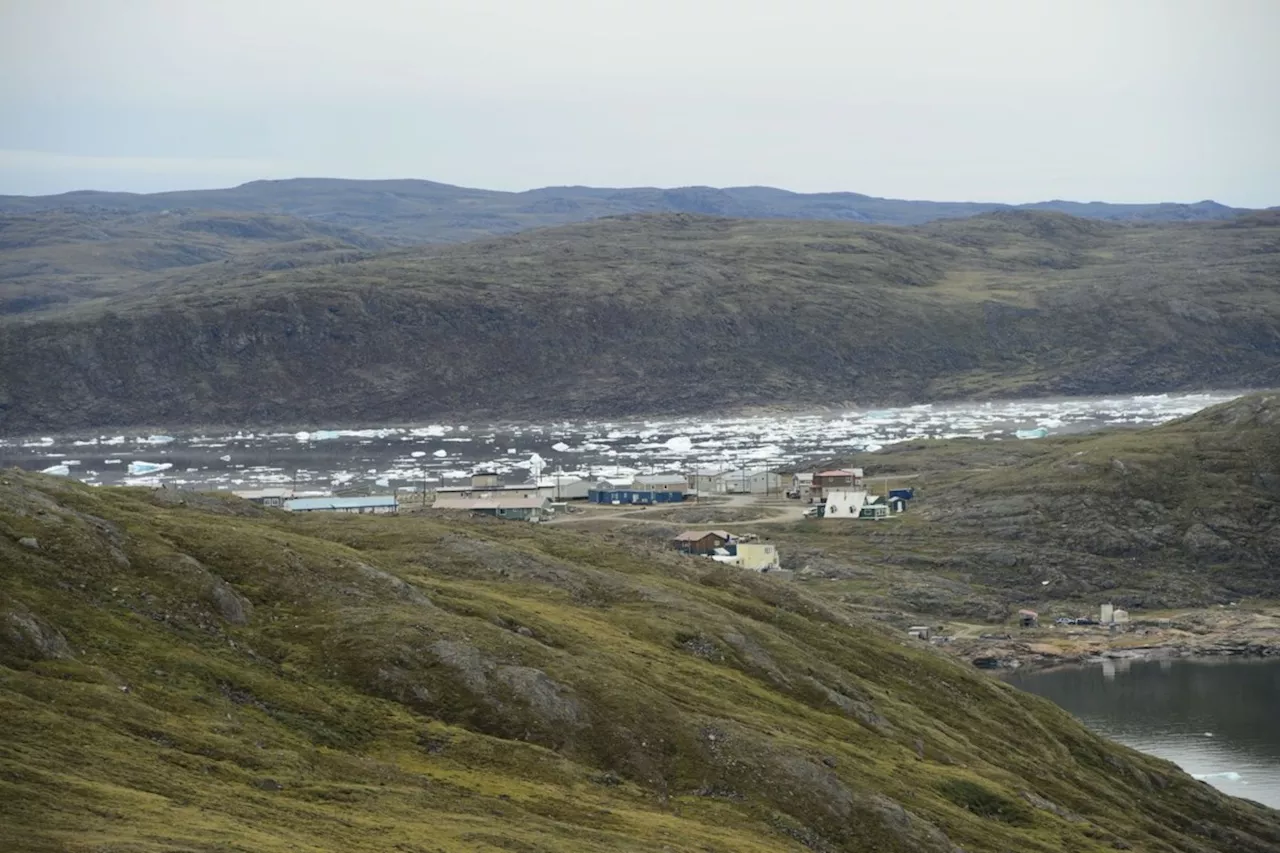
(1203, 634)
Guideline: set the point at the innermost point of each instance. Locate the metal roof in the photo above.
(840, 472)
(661, 479)
(491, 503)
(695, 535)
(305, 504)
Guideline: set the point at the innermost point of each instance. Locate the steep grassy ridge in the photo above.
(54, 258)
(180, 672)
(668, 314)
(411, 211)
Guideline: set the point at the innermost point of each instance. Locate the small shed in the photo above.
(701, 541)
(1028, 619)
(920, 632)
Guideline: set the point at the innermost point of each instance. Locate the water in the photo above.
(1219, 720)
(386, 457)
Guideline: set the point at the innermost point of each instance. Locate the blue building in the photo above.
(633, 495)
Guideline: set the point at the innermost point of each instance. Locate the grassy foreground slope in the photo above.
(182, 673)
(670, 313)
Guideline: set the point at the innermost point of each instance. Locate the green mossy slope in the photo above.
(182, 673)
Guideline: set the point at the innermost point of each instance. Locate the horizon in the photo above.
(223, 187)
(994, 101)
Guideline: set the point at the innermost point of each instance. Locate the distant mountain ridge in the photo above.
(663, 313)
(412, 211)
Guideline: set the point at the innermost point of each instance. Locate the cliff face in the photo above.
(665, 314)
(180, 671)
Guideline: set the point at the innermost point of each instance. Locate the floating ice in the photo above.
(154, 439)
(149, 467)
(112, 461)
(226, 458)
(440, 454)
(1038, 432)
(57, 471)
(418, 454)
(559, 447)
(1228, 775)
(679, 444)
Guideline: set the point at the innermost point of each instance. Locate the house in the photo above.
(378, 504)
(1028, 619)
(897, 504)
(845, 503)
(758, 556)
(500, 506)
(662, 483)
(701, 541)
(708, 481)
(837, 478)
(920, 632)
(801, 485)
(755, 481)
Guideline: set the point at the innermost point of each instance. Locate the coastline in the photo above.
(1219, 632)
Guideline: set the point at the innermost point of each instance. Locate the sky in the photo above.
(983, 100)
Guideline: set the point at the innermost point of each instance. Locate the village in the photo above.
(829, 494)
(822, 497)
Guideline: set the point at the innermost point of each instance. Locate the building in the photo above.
(486, 485)
(266, 497)
(662, 483)
(607, 493)
(1028, 618)
(920, 632)
(701, 541)
(708, 481)
(802, 485)
(757, 556)
(561, 487)
(1107, 614)
(755, 481)
(837, 478)
(378, 504)
(500, 506)
(845, 503)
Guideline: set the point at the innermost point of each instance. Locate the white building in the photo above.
(562, 487)
(708, 481)
(755, 481)
(848, 503)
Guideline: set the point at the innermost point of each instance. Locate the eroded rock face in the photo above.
(1205, 544)
(30, 637)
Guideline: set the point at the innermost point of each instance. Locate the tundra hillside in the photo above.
(415, 211)
(667, 313)
(184, 672)
(1186, 514)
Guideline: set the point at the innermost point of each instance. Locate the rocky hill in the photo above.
(1186, 514)
(180, 672)
(667, 313)
(412, 211)
(53, 258)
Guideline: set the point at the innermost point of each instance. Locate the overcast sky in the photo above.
(991, 100)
